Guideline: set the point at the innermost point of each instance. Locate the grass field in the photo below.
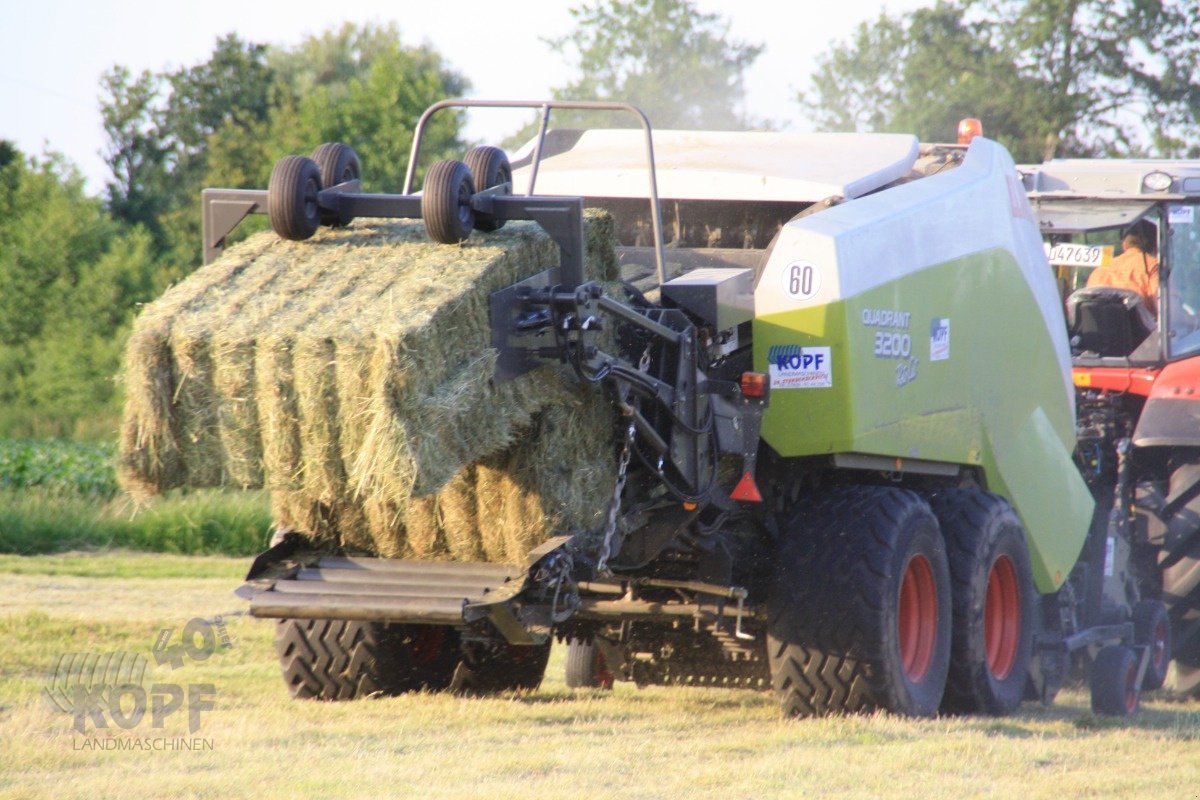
(39, 520)
(59, 495)
(554, 743)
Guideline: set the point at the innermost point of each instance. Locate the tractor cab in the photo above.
(1132, 218)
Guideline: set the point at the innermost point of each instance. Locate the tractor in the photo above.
(1136, 368)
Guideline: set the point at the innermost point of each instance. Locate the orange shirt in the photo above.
(1133, 269)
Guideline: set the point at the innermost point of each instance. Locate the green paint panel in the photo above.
(952, 363)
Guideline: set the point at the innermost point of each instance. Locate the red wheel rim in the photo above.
(918, 618)
(1160, 646)
(426, 643)
(1002, 617)
(1131, 687)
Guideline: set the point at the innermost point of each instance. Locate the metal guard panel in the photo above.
(383, 590)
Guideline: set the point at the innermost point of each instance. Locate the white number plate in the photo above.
(1079, 255)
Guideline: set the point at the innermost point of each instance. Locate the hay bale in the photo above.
(352, 376)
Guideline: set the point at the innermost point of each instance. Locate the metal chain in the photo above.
(614, 507)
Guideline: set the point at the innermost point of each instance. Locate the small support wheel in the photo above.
(489, 168)
(1152, 628)
(292, 197)
(446, 202)
(585, 666)
(1115, 690)
(338, 163)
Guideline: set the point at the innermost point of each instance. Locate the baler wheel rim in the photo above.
(918, 617)
(1002, 617)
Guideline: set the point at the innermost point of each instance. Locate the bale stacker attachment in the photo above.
(521, 602)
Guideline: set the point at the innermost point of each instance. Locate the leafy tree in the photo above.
(333, 58)
(136, 153)
(50, 231)
(375, 113)
(69, 281)
(1047, 77)
(226, 121)
(74, 363)
(8, 153)
(665, 56)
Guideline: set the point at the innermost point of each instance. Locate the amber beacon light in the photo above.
(968, 129)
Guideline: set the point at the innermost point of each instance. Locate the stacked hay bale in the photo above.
(351, 375)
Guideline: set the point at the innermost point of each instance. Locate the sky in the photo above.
(53, 52)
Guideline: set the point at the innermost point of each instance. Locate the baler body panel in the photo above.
(913, 323)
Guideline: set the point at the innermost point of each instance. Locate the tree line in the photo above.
(1049, 78)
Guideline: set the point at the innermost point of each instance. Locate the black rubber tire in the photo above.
(1113, 681)
(489, 167)
(344, 659)
(292, 197)
(338, 163)
(445, 202)
(1180, 566)
(985, 542)
(834, 609)
(499, 667)
(585, 667)
(1152, 628)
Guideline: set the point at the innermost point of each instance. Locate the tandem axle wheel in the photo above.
(305, 193)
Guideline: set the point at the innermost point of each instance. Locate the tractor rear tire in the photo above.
(292, 197)
(1115, 692)
(859, 611)
(345, 659)
(338, 163)
(1180, 566)
(489, 167)
(494, 667)
(993, 605)
(446, 202)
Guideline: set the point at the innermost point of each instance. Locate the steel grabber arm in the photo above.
(684, 420)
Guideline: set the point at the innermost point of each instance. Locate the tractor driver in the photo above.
(1137, 266)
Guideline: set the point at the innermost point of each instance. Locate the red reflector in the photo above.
(754, 384)
(746, 490)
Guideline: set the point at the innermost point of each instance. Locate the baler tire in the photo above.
(1180, 568)
(1115, 692)
(346, 659)
(859, 610)
(338, 163)
(292, 197)
(500, 667)
(585, 667)
(1152, 628)
(993, 602)
(446, 202)
(489, 167)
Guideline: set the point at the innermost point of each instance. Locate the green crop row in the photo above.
(58, 466)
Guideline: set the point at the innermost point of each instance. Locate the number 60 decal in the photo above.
(801, 280)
